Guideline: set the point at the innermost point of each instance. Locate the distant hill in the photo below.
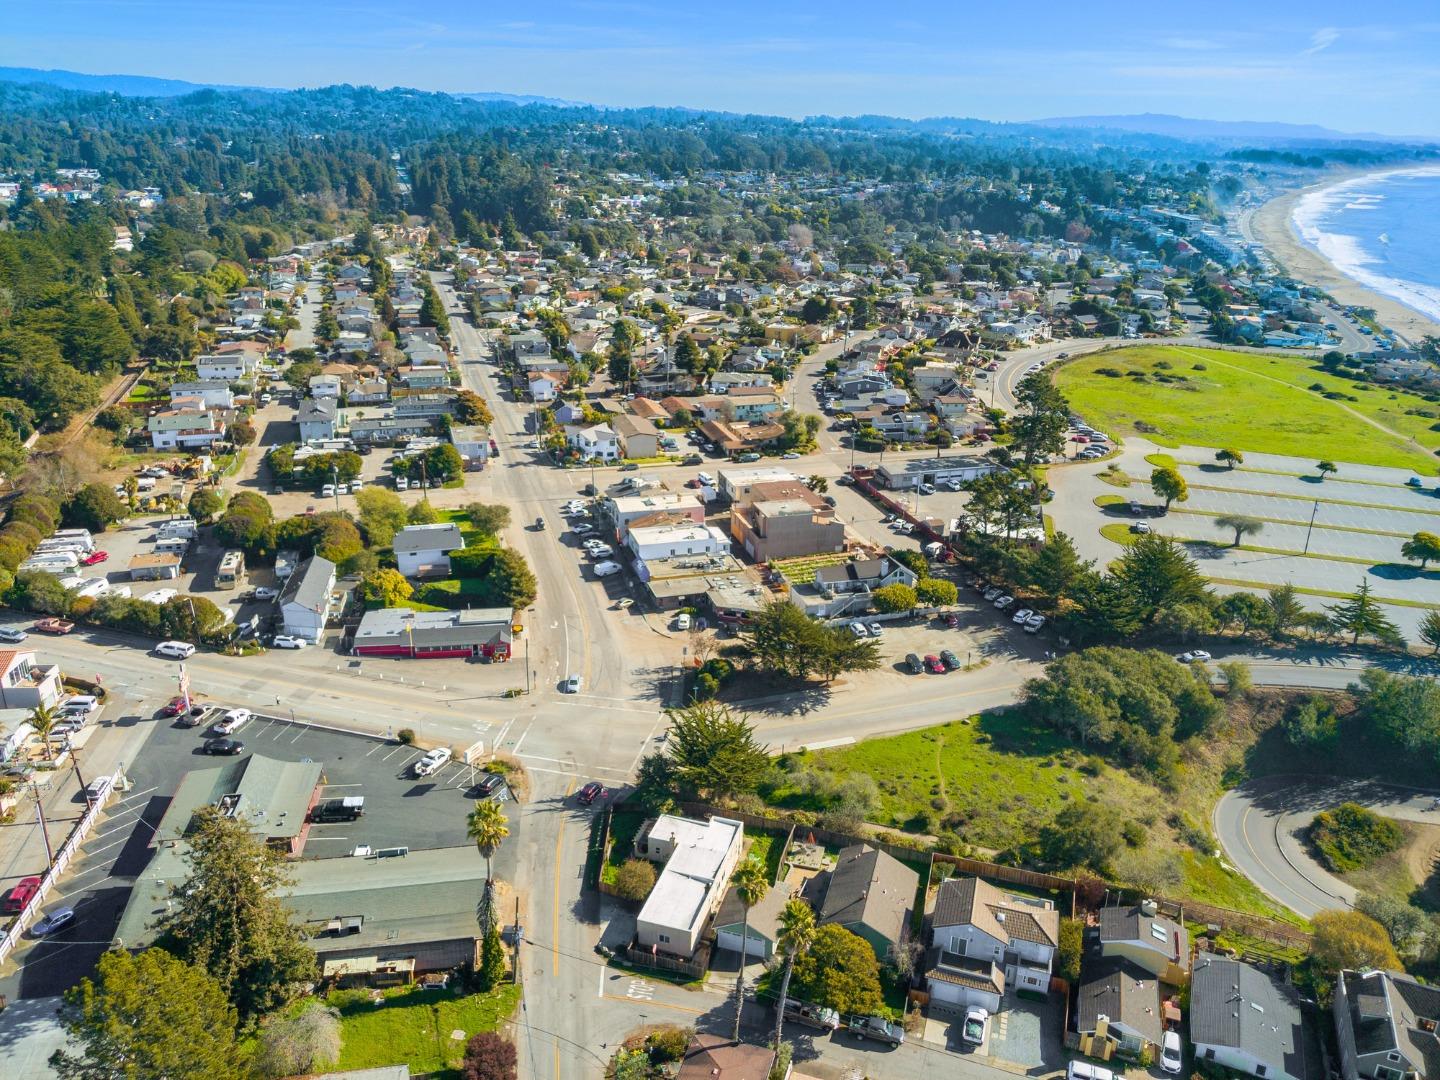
(146, 86)
(1183, 127)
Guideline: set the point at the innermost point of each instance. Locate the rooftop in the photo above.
(272, 796)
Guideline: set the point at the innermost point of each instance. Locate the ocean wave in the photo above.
(1346, 252)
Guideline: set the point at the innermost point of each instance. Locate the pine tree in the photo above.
(1362, 615)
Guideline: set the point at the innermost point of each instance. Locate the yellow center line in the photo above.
(657, 1004)
(555, 869)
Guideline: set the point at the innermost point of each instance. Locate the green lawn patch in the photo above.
(1255, 402)
(1351, 837)
(768, 849)
(1118, 534)
(1110, 500)
(996, 778)
(802, 571)
(1160, 461)
(1210, 881)
(414, 1026)
(623, 827)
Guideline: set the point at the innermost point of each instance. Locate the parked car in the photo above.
(629, 466)
(950, 660)
(914, 663)
(54, 626)
(952, 622)
(174, 707)
(582, 528)
(1170, 1056)
(1022, 616)
(1140, 527)
(590, 792)
(1194, 656)
(820, 1017)
(1034, 623)
(16, 899)
(233, 721)
(605, 569)
(571, 685)
(877, 1028)
(223, 746)
(345, 808)
(433, 761)
(539, 524)
(94, 557)
(288, 641)
(12, 635)
(976, 1025)
(682, 621)
(266, 592)
(175, 650)
(1003, 602)
(859, 629)
(934, 665)
(53, 923)
(992, 592)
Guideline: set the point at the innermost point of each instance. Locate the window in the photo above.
(1259, 1070)
(1392, 1056)
(665, 939)
(1210, 1053)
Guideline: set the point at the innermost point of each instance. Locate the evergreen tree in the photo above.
(1362, 615)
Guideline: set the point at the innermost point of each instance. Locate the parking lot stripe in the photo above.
(328, 786)
(377, 746)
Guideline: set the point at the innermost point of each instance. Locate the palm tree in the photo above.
(797, 931)
(487, 826)
(750, 885)
(43, 719)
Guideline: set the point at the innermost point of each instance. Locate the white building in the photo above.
(989, 939)
(699, 857)
(306, 600)
(735, 484)
(212, 393)
(597, 441)
(226, 367)
(424, 550)
(624, 509)
(667, 541)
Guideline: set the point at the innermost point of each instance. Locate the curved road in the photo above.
(1261, 829)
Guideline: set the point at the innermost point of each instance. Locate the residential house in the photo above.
(376, 430)
(753, 404)
(326, 386)
(473, 442)
(715, 1057)
(668, 541)
(787, 526)
(1018, 934)
(1118, 1010)
(225, 367)
(863, 575)
(368, 392)
(432, 405)
(1385, 1025)
(871, 894)
(1139, 932)
(638, 437)
(544, 386)
(424, 376)
(210, 393)
(722, 382)
(1245, 1019)
(932, 380)
(25, 683)
(648, 409)
(758, 929)
(316, 418)
(699, 857)
(191, 428)
(738, 437)
(737, 482)
(306, 601)
(598, 441)
(424, 550)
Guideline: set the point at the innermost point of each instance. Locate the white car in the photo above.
(600, 551)
(859, 629)
(571, 685)
(288, 641)
(1023, 615)
(682, 621)
(605, 569)
(266, 592)
(876, 630)
(327, 491)
(1004, 602)
(992, 592)
(581, 528)
(401, 483)
(1170, 1057)
(789, 457)
(1195, 656)
(433, 761)
(233, 721)
(1034, 623)
(175, 650)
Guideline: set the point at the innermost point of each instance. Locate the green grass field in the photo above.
(1260, 403)
(414, 1027)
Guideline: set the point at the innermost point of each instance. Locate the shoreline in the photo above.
(1273, 226)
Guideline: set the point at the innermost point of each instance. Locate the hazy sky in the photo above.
(1372, 66)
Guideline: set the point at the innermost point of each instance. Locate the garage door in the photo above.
(730, 939)
(948, 997)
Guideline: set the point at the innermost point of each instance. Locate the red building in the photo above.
(474, 634)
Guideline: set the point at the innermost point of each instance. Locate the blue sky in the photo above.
(1371, 67)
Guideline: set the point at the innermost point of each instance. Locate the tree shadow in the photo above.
(1204, 549)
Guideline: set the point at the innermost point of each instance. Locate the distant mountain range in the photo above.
(1183, 127)
(147, 86)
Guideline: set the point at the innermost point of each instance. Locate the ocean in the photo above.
(1382, 231)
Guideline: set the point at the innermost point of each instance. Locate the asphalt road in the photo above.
(1260, 827)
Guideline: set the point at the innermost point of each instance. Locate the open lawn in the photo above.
(1250, 401)
(996, 779)
(414, 1026)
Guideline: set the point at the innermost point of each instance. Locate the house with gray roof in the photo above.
(759, 928)
(863, 575)
(1385, 1024)
(871, 894)
(1018, 934)
(1117, 1008)
(1247, 1020)
(273, 797)
(1158, 944)
(316, 418)
(305, 602)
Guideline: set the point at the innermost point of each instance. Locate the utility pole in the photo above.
(44, 830)
(1311, 528)
(335, 483)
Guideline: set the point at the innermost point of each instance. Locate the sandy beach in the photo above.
(1271, 226)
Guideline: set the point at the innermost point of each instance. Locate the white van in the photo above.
(605, 569)
(1083, 1070)
(175, 650)
(80, 705)
(706, 480)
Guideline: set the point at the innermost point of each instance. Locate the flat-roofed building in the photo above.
(699, 857)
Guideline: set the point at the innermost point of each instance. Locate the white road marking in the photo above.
(523, 736)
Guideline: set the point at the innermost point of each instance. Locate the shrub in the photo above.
(406, 736)
(1351, 836)
(634, 879)
(667, 1045)
(489, 1056)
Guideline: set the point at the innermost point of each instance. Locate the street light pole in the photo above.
(1311, 528)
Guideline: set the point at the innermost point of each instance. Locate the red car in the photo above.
(934, 666)
(19, 896)
(95, 557)
(174, 707)
(952, 621)
(590, 792)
